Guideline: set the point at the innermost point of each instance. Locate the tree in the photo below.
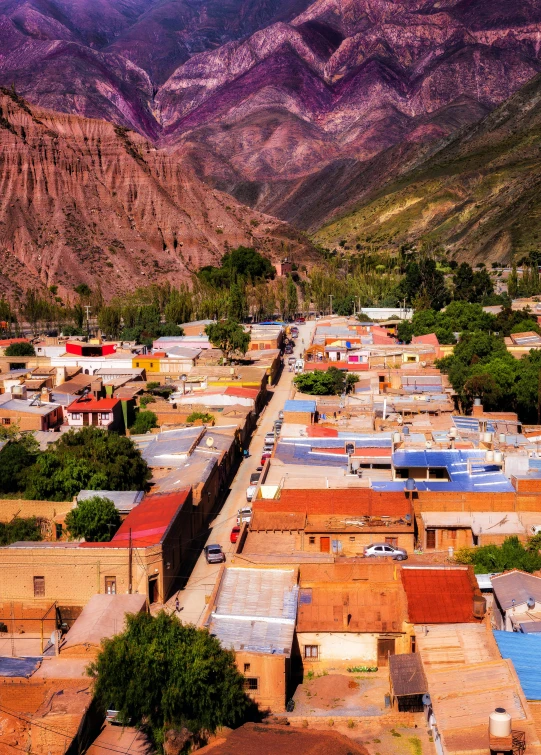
(425, 281)
(238, 306)
(144, 422)
(20, 349)
(90, 459)
(162, 673)
(512, 554)
(19, 529)
(16, 457)
(512, 283)
(110, 321)
(292, 302)
(332, 382)
(228, 336)
(95, 519)
(204, 417)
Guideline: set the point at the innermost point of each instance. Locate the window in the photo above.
(312, 540)
(39, 587)
(75, 416)
(247, 668)
(352, 539)
(251, 683)
(311, 651)
(6, 421)
(110, 585)
(137, 364)
(104, 415)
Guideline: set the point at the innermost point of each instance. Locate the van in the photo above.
(244, 515)
(250, 492)
(299, 366)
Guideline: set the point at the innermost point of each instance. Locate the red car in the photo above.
(264, 458)
(234, 536)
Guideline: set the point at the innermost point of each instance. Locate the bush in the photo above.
(144, 421)
(512, 554)
(19, 529)
(95, 519)
(332, 382)
(20, 349)
(206, 419)
(145, 400)
(16, 457)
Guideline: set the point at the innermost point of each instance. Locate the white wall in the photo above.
(341, 646)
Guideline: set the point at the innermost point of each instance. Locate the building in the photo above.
(124, 500)
(87, 411)
(283, 267)
(408, 682)
(517, 601)
(144, 557)
(523, 650)
(441, 530)
(195, 327)
(351, 613)
(300, 412)
(253, 612)
(33, 414)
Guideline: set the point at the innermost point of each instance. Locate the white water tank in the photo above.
(489, 456)
(499, 723)
(502, 437)
(397, 437)
(487, 437)
(498, 457)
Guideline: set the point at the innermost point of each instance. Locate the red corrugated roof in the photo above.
(93, 405)
(430, 339)
(317, 431)
(148, 522)
(233, 390)
(7, 341)
(358, 502)
(439, 596)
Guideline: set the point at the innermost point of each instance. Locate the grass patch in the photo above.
(415, 746)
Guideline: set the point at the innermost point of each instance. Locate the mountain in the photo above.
(479, 193)
(274, 100)
(84, 201)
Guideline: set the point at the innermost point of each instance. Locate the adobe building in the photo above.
(88, 411)
(253, 612)
(32, 414)
(144, 557)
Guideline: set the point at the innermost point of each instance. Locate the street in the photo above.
(192, 599)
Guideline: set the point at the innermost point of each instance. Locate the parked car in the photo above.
(278, 427)
(281, 415)
(384, 549)
(291, 360)
(214, 554)
(244, 515)
(295, 332)
(270, 439)
(254, 478)
(266, 455)
(250, 492)
(288, 349)
(300, 320)
(234, 536)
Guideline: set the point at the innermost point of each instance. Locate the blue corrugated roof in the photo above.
(524, 650)
(14, 667)
(299, 406)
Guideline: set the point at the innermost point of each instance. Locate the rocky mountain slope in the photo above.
(479, 193)
(84, 201)
(273, 100)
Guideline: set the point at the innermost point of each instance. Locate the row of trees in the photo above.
(331, 382)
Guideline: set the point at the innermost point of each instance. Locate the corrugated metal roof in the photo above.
(524, 650)
(515, 587)
(498, 523)
(293, 405)
(103, 616)
(18, 405)
(124, 500)
(15, 667)
(407, 674)
(256, 609)
(438, 595)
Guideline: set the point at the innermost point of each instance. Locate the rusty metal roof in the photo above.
(277, 521)
(438, 595)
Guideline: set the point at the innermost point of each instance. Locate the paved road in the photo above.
(203, 577)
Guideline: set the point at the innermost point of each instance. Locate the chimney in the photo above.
(478, 410)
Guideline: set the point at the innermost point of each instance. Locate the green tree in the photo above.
(292, 302)
(424, 280)
(110, 321)
(512, 283)
(144, 422)
(20, 349)
(20, 529)
(16, 457)
(164, 674)
(95, 519)
(331, 382)
(204, 417)
(512, 554)
(229, 336)
(238, 306)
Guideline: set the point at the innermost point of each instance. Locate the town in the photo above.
(312, 495)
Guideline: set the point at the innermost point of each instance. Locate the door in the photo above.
(110, 585)
(95, 418)
(85, 419)
(153, 590)
(325, 544)
(430, 539)
(385, 649)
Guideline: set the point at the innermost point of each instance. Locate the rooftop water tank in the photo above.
(499, 723)
(410, 484)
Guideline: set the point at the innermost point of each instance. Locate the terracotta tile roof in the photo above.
(439, 596)
(317, 431)
(431, 339)
(148, 522)
(93, 405)
(351, 607)
(357, 501)
(239, 392)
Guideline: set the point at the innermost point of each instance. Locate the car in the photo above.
(214, 554)
(250, 492)
(277, 428)
(288, 349)
(294, 332)
(281, 416)
(270, 439)
(266, 455)
(254, 478)
(235, 532)
(292, 360)
(385, 549)
(244, 515)
(300, 320)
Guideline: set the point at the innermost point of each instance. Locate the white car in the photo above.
(270, 439)
(250, 492)
(384, 549)
(244, 515)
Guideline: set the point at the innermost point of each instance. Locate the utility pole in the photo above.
(331, 298)
(87, 307)
(129, 564)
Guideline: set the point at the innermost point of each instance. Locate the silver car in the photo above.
(214, 554)
(384, 549)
